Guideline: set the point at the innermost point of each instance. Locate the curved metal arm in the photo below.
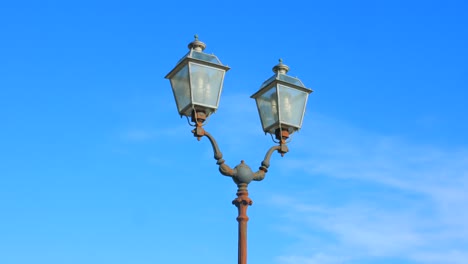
(266, 160)
(223, 168)
(217, 153)
(260, 174)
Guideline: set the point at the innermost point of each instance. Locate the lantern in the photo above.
(197, 81)
(281, 102)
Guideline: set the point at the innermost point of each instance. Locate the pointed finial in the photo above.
(196, 44)
(280, 67)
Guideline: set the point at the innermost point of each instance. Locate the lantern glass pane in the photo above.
(181, 88)
(206, 83)
(292, 105)
(268, 108)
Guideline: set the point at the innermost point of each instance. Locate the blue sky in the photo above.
(97, 166)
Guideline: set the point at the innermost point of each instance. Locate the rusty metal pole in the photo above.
(242, 202)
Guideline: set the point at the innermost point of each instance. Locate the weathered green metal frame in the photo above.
(274, 83)
(186, 61)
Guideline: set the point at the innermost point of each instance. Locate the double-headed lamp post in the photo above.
(197, 81)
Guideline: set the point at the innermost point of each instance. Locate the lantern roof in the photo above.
(281, 77)
(197, 55)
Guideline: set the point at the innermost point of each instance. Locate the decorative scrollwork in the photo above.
(218, 156)
(224, 169)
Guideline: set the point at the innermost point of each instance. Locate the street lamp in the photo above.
(197, 82)
(281, 102)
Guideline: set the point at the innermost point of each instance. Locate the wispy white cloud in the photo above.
(136, 135)
(315, 259)
(145, 135)
(413, 207)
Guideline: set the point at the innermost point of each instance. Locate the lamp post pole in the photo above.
(197, 81)
(242, 202)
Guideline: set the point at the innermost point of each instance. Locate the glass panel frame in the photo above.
(206, 84)
(180, 83)
(292, 103)
(267, 106)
